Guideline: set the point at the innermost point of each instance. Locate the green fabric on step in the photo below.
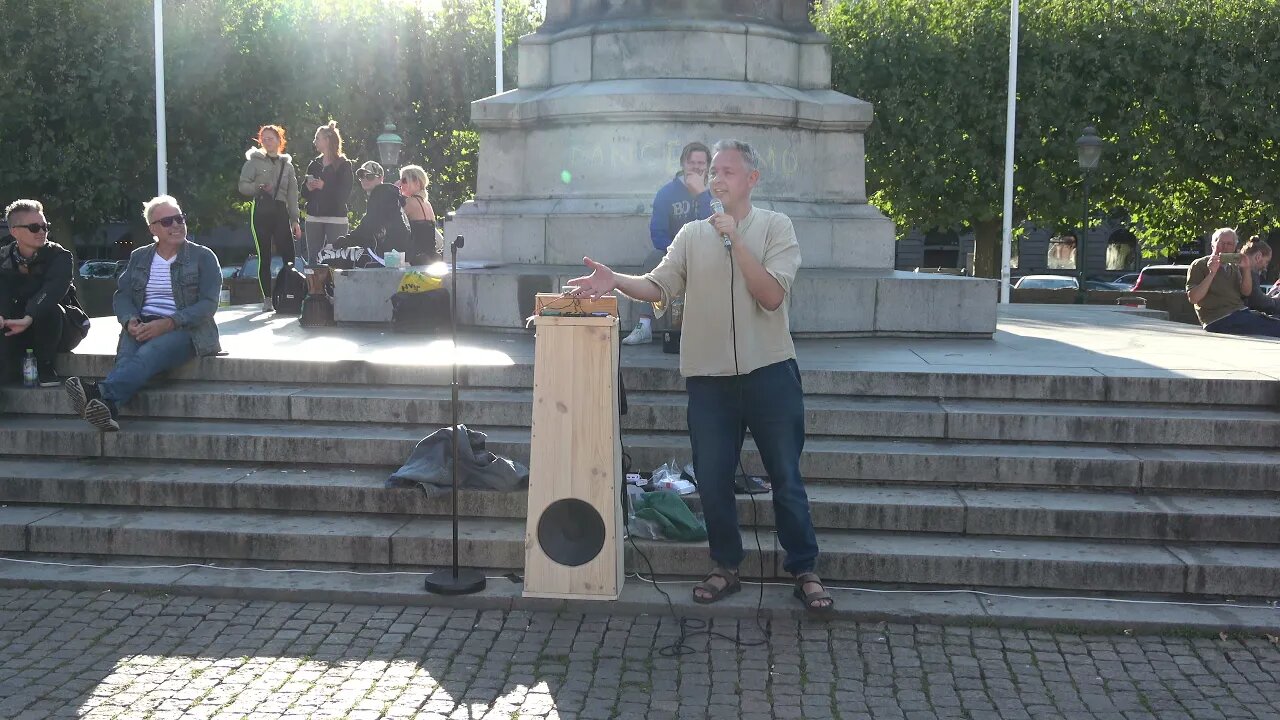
(672, 515)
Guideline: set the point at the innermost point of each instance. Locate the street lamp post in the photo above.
(1089, 153)
(389, 145)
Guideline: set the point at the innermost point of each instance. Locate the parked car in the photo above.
(1128, 281)
(1063, 282)
(1046, 282)
(106, 269)
(250, 267)
(1165, 278)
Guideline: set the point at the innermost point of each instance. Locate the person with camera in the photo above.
(735, 271)
(268, 177)
(165, 302)
(1218, 284)
(682, 200)
(326, 189)
(39, 309)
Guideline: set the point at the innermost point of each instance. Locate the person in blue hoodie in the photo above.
(680, 201)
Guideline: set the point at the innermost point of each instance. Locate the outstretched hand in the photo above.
(601, 281)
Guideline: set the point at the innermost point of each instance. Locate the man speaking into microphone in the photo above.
(735, 270)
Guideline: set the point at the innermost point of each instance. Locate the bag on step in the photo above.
(288, 291)
(420, 312)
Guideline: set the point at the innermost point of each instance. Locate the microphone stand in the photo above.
(456, 581)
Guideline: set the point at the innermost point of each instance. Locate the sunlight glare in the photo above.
(428, 7)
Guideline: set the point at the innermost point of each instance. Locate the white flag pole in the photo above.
(1006, 245)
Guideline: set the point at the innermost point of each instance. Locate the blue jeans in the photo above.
(136, 363)
(770, 402)
(1245, 322)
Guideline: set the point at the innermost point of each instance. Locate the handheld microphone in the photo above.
(717, 206)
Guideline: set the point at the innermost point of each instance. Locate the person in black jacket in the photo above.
(39, 309)
(384, 226)
(326, 189)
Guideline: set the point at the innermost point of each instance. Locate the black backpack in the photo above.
(424, 312)
(290, 289)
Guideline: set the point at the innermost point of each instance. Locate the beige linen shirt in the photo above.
(698, 267)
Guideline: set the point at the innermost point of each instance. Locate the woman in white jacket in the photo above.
(269, 178)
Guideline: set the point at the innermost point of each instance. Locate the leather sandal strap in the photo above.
(808, 577)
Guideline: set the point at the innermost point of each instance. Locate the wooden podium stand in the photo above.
(573, 541)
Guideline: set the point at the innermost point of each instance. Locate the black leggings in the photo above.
(269, 221)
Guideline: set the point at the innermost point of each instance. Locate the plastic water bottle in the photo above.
(30, 373)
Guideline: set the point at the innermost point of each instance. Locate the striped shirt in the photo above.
(160, 289)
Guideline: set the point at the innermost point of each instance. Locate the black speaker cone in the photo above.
(571, 532)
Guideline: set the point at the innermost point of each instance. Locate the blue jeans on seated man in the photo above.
(137, 363)
(770, 402)
(1245, 322)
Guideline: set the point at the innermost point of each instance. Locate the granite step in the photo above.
(498, 543)
(361, 491)
(647, 373)
(827, 415)
(931, 462)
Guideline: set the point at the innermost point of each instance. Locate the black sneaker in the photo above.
(100, 416)
(49, 376)
(81, 393)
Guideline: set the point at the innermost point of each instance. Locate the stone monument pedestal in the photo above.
(609, 94)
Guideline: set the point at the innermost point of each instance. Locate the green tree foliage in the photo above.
(1184, 91)
(77, 102)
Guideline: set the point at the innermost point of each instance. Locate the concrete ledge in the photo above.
(574, 99)
(825, 301)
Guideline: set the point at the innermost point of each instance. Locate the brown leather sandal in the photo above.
(813, 601)
(713, 593)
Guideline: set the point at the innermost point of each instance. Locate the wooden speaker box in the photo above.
(573, 538)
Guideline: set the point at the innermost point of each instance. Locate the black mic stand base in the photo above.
(460, 581)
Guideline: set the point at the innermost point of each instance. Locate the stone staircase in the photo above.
(1114, 485)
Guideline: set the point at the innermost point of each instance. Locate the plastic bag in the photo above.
(669, 477)
(419, 282)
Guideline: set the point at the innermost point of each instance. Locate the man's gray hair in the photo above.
(1224, 231)
(18, 206)
(156, 202)
(748, 153)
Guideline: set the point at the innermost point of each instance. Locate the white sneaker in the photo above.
(639, 336)
(266, 306)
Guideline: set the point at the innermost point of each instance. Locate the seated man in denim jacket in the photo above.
(165, 302)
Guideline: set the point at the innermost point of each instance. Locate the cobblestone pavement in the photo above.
(131, 656)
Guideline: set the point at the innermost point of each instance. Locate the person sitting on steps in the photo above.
(39, 308)
(165, 303)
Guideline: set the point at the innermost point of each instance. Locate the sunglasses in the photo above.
(181, 219)
(35, 227)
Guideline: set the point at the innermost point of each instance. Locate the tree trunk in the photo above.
(987, 237)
